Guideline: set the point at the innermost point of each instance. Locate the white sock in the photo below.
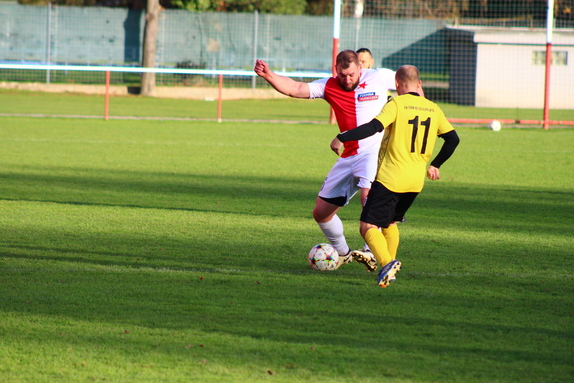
(333, 230)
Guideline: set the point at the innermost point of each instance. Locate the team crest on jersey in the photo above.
(368, 96)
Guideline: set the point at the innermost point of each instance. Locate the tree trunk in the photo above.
(150, 43)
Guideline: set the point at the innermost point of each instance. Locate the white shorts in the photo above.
(348, 175)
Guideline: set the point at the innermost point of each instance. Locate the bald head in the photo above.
(407, 79)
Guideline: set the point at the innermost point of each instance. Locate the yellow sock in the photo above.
(378, 245)
(392, 236)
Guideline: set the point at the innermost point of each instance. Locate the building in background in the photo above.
(505, 67)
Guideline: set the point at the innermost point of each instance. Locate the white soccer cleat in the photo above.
(366, 258)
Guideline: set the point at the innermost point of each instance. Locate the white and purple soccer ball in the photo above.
(323, 257)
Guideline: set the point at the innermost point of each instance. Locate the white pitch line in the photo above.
(179, 143)
(157, 118)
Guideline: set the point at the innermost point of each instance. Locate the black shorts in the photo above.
(384, 207)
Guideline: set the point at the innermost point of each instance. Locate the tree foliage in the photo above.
(85, 3)
(486, 9)
(293, 7)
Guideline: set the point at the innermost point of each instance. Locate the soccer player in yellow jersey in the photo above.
(411, 124)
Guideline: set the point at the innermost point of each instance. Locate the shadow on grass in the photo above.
(501, 208)
(462, 209)
(453, 321)
(164, 190)
(266, 195)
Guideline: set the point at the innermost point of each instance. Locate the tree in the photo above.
(320, 7)
(483, 9)
(192, 5)
(150, 43)
(289, 7)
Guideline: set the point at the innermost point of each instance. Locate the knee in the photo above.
(324, 212)
(321, 215)
(364, 227)
(317, 215)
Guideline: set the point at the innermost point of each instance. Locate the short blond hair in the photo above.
(408, 74)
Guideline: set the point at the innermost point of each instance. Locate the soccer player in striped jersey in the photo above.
(357, 96)
(411, 125)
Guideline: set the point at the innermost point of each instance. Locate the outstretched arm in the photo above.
(282, 84)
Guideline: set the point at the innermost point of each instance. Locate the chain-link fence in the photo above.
(464, 58)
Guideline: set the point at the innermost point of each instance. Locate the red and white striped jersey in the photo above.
(357, 107)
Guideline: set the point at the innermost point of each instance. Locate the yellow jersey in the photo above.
(412, 124)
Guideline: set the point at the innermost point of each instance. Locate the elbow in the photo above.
(456, 141)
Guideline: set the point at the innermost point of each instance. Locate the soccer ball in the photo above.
(495, 125)
(324, 257)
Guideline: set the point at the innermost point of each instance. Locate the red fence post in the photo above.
(107, 97)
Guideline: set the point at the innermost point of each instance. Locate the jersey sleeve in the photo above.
(451, 141)
(389, 114)
(317, 88)
(361, 132)
(444, 125)
(388, 76)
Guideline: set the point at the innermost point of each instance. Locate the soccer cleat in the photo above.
(344, 259)
(348, 258)
(366, 258)
(387, 273)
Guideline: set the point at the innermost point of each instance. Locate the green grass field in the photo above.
(175, 251)
(22, 102)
